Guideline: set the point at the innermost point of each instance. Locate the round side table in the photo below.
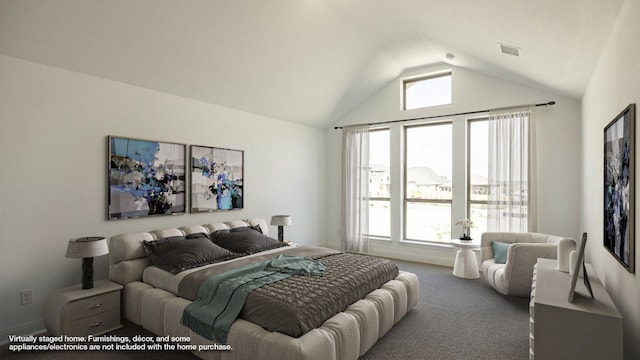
(466, 264)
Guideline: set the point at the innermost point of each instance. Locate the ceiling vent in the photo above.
(509, 50)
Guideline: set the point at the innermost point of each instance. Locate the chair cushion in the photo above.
(494, 274)
(500, 250)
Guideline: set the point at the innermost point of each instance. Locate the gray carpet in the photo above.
(454, 319)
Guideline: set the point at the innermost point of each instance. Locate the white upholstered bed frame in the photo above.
(346, 335)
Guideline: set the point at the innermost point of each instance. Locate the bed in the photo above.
(156, 299)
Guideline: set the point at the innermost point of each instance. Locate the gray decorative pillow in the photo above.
(177, 253)
(245, 240)
(257, 228)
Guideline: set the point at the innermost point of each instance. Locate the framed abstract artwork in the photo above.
(145, 178)
(619, 187)
(216, 179)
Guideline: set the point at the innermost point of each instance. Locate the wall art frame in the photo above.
(145, 178)
(619, 187)
(217, 179)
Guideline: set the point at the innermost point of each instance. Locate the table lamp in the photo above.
(281, 221)
(86, 248)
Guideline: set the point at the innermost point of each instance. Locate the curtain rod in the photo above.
(550, 103)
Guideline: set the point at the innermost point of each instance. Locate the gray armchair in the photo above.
(514, 277)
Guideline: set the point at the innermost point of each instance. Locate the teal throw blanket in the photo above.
(221, 297)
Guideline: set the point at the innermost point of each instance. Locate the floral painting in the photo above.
(619, 189)
(216, 179)
(145, 178)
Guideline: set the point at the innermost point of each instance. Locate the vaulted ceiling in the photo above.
(306, 61)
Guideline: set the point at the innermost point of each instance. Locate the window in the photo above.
(501, 205)
(424, 176)
(379, 183)
(428, 186)
(429, 90)
(478, 154)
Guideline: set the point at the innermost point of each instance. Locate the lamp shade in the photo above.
(281, 220)
(87, 247)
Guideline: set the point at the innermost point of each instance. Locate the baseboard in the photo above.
(437, 254)
(31, 328)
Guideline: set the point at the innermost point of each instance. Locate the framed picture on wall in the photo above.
(145, 178)
(216, 179)
(619, 187)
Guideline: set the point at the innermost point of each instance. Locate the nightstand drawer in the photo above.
(95, 305)
(96, 324)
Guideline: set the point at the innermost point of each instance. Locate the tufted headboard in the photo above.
(127, 258)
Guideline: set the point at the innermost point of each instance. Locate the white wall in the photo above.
(558, 131)
(614, 85)
(53, 147)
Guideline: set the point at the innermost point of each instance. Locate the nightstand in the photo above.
(80, 312)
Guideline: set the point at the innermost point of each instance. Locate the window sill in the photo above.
(379, 238)
(426, 244)
(440, 245)
(412, 243)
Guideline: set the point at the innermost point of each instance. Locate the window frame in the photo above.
(379, 198)
(469, 199)
(405, 199)
(423, 77)
(469, 202)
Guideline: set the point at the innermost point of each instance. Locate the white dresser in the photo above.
(582, 329)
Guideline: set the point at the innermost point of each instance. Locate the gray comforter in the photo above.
(295, 305)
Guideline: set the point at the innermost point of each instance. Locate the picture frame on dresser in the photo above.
(619, 188)
(217, 179)
(576, 271)
(145, 178)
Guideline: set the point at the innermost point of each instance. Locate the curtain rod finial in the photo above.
(551, 103)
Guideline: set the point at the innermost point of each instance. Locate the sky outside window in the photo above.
(429, 91)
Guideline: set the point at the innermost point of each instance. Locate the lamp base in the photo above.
(281, 233)
(87, 273)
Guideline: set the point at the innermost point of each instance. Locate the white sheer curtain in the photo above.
(355, 150)
(512, 186)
